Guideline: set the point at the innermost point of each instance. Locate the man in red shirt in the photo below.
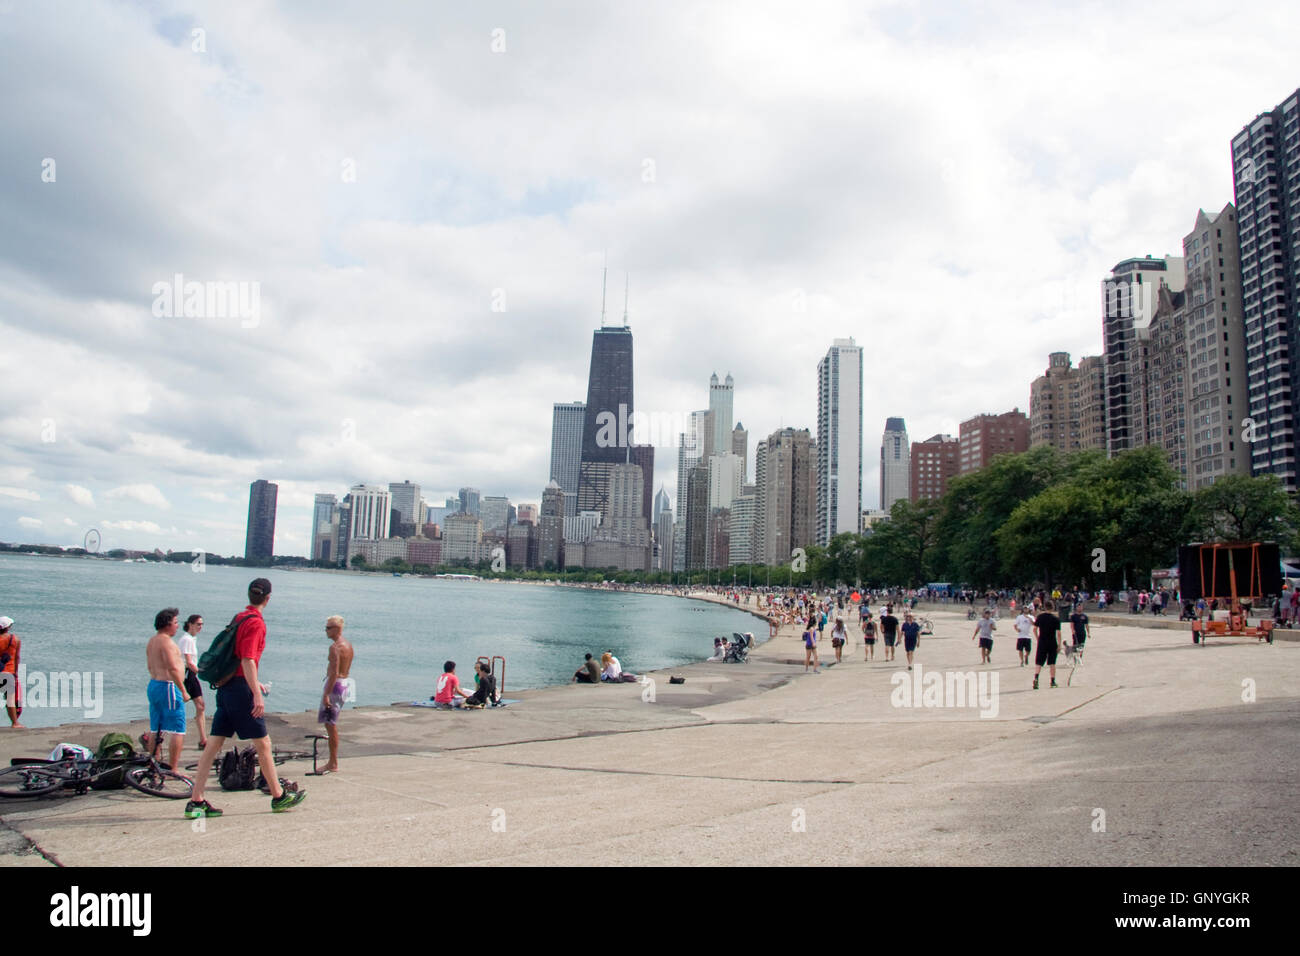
(241, 709)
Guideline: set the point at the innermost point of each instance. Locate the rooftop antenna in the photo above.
(603, 274)
(625, 285)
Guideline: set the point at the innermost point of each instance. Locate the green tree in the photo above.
(1240, 508)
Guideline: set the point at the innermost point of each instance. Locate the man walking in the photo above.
(1047, 627)
(190, 653)
(1079, 628)
(911, 636)
(241, 709)
(889, 630)
(1024, 635)
(984, 629)
(337, 687)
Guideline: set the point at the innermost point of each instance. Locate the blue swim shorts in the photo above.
(166, 707)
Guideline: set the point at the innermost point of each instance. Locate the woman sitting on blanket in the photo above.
(612, 671)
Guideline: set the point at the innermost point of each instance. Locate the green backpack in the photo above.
(113, 746)
(218, 663)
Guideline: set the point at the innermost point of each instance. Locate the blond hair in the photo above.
(336, 619)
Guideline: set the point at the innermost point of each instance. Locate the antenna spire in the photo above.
(625, 285)
(603, 274)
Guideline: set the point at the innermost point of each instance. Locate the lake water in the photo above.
(95, 616)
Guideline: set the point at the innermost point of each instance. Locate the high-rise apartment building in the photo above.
(740, 527)
(259, 539)
(1067, 405)
(566, 448)
(550, 528)
(721, 402)
(1129, 298)
(785, 494)
(895, 473)
(1162, 347)
(404, 498)
(839, 440)
(1266, 179)
(691, 450)
(697, 517)
(324, 526)
(462, 540)
(371, 513)
(740, 448)
(664, 540)
(934, 463)
(985, 436)
(527, 514)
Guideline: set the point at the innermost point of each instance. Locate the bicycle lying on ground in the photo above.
(34, 777)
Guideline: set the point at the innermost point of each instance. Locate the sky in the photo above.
(416, 202)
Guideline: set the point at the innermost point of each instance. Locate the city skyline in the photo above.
(494, 236)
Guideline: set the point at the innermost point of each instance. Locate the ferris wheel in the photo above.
(91, 542)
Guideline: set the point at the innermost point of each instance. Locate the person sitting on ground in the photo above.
(588, 673)
(448, 688)
(486, 693)
(719, 650)
(612, 671)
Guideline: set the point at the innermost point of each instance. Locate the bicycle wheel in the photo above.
(158, 782)
(28, 780)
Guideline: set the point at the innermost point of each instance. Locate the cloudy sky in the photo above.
(425, 194)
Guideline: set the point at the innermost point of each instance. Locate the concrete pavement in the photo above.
(1160, 752)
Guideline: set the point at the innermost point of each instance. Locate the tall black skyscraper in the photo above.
(606, 426)
(259, 542)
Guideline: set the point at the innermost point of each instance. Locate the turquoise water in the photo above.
(95, 616)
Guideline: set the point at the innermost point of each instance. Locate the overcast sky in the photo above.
(425, 195)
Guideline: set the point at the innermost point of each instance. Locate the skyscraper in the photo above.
(494, 511)
(1067, 405)
(662, 501)
(550, 528)
(933, 464)
(324, 520)
(469, 501)
(1266, 178)
(895, 474)
(371, 513)
(259, 541)
(405, 500)
(721, 399)
(740, 448)
(785, 512)
(839, 441)
(1129, 297)
(691, 449)
(984, 436)
(609, 406)
(566, 449)
(1216, 399)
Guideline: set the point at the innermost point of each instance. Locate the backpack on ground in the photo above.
(238, 769)
(115, 746)
(218, 663)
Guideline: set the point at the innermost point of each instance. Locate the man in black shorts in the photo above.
(241, 709)
(1079, 627)
(1047, 628)
(911, 637)
(889, 631)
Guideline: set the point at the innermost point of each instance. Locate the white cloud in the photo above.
(70, 523)
(30, 522)
(21, 493)
(143, 493)
(148, 527)
(80, 495)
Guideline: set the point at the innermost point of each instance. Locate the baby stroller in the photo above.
(1189, 612)
(738, 648)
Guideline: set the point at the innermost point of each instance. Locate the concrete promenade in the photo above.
(761, 764)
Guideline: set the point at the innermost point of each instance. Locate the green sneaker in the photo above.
(200, 808)
(288, 800)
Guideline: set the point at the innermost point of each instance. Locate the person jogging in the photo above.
(241, 710)
(984, 629)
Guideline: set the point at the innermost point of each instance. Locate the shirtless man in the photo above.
(166, 692)
(337, 685)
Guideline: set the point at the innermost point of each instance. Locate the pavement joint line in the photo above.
(685, 776)
(32, 846)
